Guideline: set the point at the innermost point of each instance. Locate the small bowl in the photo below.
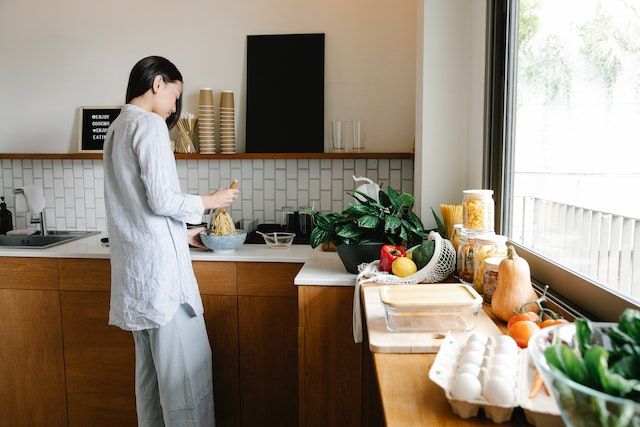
(223, 244)
(278, 240)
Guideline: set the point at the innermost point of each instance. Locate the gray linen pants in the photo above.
(174, 379)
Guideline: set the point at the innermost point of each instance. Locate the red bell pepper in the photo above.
(388, 253)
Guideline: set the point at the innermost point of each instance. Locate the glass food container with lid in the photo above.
(478, 210)
(487, 246)
(430, 308)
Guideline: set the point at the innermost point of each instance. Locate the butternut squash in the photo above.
(514, 286)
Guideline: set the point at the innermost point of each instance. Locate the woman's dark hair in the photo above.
(141, 80)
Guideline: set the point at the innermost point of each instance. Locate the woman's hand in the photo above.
(193, 237)
(220, 199)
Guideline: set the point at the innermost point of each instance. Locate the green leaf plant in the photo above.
(389, 220)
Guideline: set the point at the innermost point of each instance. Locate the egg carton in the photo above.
(503, 375)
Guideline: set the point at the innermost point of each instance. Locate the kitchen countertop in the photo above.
(324, 269)
(320, 268)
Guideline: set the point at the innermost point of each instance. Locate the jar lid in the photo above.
(468, 235)
(478, 192)
(493, 262)
(491, 238)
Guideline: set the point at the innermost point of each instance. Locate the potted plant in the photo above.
(361, 229)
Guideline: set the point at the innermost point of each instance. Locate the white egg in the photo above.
(466, 387)
(506, 340)
(479, 337)
(475, 346)
(502, 372)
(498, 391)
(472, 357)
(507, 350)
(504, 360)
(469, 368)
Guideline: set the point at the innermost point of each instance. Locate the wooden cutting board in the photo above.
(382, 340)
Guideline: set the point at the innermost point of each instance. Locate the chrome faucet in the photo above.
(35, 217)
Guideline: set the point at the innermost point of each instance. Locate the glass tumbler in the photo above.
(337, 141)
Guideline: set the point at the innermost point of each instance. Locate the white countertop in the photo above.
(320, 268)
(325, 269)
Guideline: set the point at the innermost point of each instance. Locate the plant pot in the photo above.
(354, 255)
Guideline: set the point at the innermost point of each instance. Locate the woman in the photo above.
(153, 289)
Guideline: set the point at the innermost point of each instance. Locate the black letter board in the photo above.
(94, 122)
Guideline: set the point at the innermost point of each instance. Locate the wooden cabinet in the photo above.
(32, 386)
(28, 273)
(62, 364)
(99, 359)
(99, 363)
(267, 319)
(218, 287)
(32, 391)
(336, 380)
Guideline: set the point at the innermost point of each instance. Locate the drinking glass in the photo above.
(357, 127)
(337, 142)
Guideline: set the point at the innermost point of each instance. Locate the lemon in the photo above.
(409, 255)
(403, 267)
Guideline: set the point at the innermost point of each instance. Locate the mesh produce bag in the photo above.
(441, 265)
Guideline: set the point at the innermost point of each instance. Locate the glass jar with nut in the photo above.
(490, 278)
(487, 246)
(478, 210)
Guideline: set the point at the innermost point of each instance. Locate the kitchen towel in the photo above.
(35, 198)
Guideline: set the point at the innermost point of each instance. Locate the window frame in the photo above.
(573, 289)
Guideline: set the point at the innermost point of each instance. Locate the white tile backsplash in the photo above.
(74, 191)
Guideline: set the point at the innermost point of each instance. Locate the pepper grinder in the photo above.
(6, 220)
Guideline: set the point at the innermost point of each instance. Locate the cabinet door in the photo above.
(32, 389)
(100, 363)
(267, 318)
(221, 317)
(331, 376)
(268, 360)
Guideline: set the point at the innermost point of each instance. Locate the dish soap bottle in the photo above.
(6, 222)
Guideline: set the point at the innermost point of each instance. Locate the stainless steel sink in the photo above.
(36, 241)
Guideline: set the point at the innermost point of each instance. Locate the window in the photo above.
(563, 153)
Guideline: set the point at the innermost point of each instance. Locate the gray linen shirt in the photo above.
(151, 271)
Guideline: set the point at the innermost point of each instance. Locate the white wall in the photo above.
(449, 101)
(56, 56)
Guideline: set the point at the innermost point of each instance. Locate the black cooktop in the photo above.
(255, 238)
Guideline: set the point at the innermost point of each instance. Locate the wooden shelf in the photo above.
(98, 156)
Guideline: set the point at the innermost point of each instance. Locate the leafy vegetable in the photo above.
(441, 228)
(595, 360)
(389, 220)
(615, 371)
(584, 333)
(423, 253)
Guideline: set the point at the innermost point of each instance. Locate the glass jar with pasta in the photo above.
(487, 246)
(478, 210)
(465, 256)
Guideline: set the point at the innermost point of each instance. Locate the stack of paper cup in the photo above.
(227, 123)
(206, 128)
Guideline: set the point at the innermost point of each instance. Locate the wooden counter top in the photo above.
(409, 398)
